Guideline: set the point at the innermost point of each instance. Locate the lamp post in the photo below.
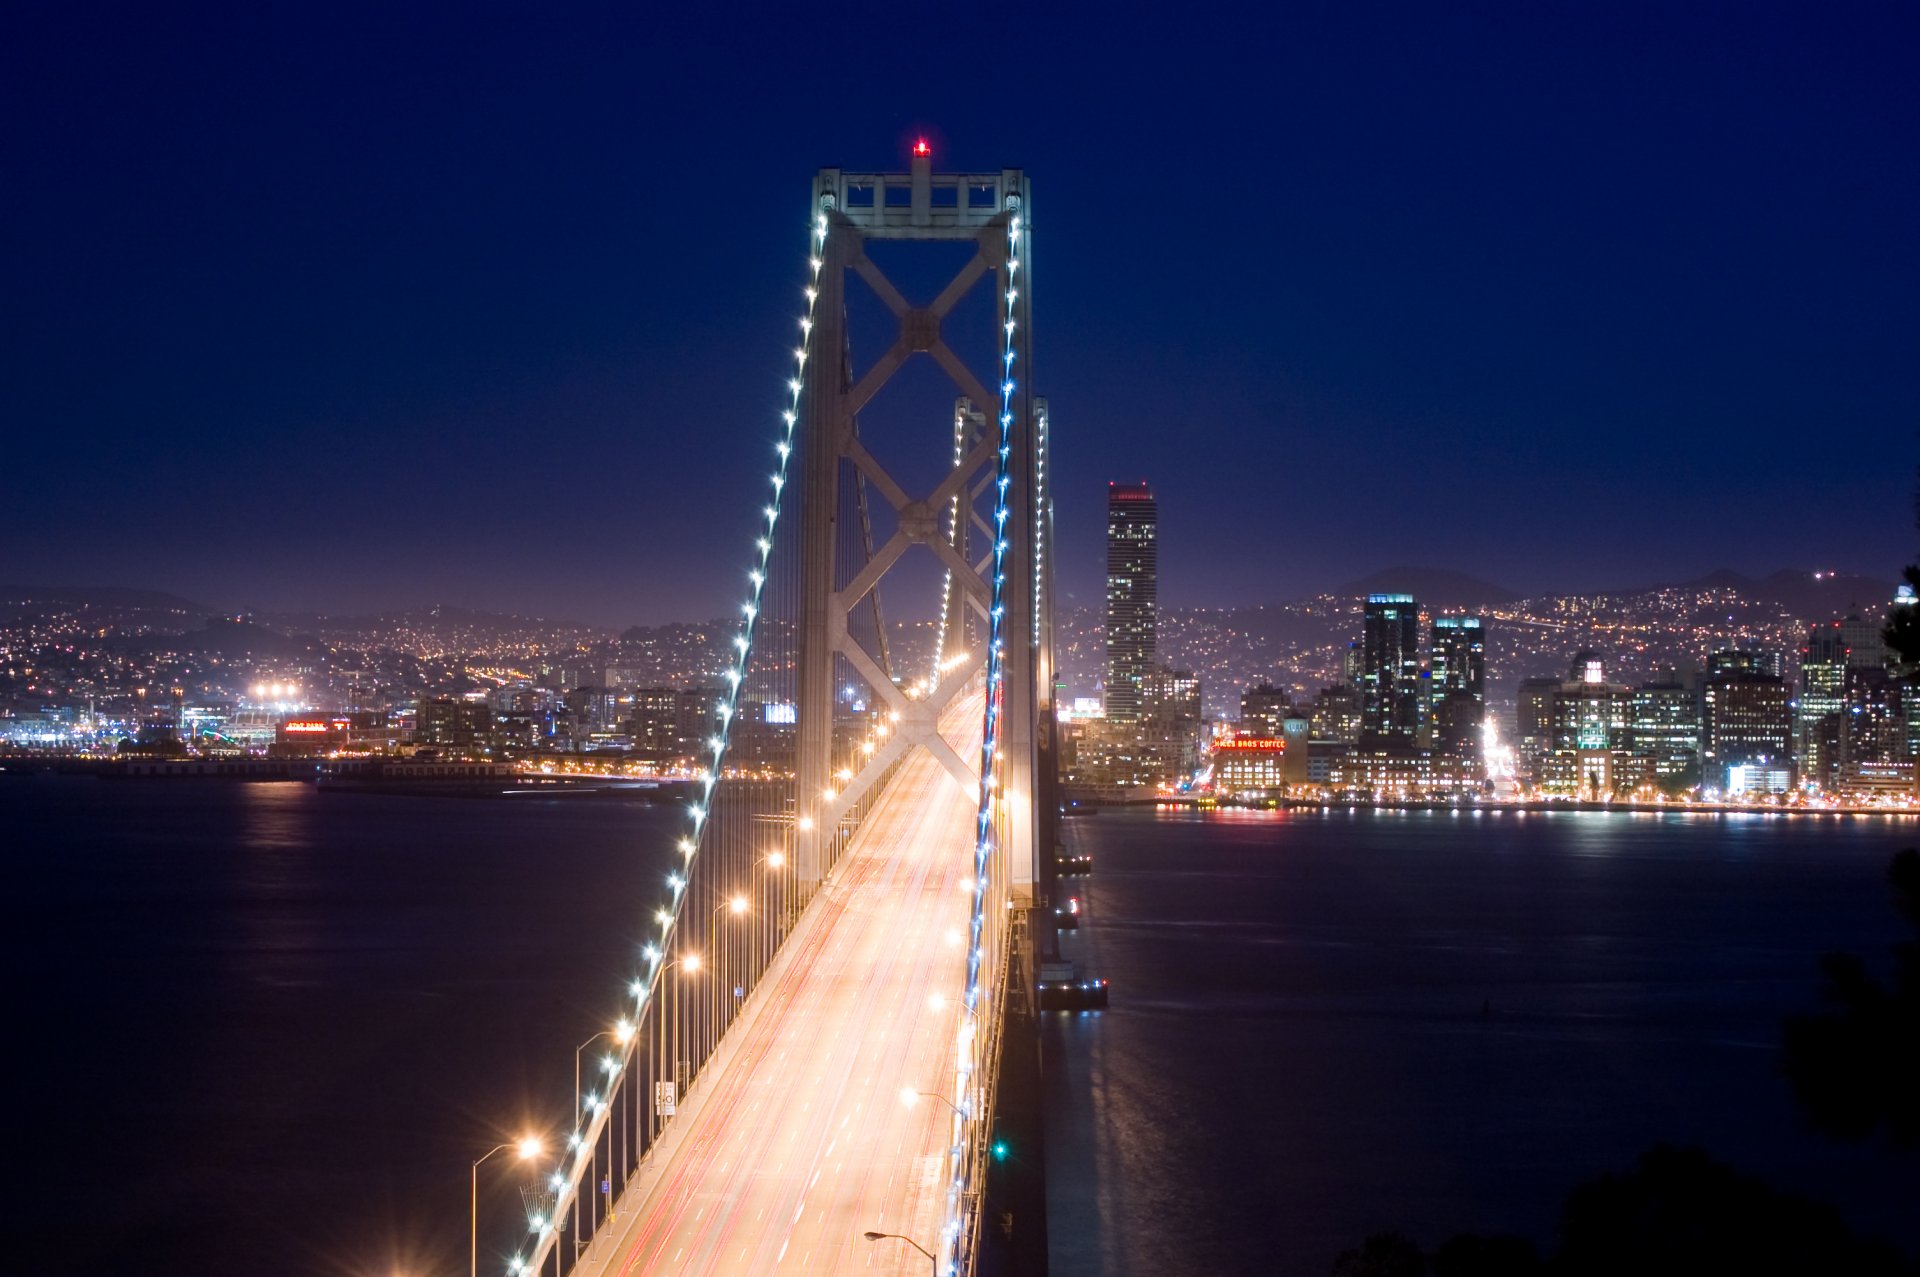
(724, 972)
(902, 1237)
(622, 1033)
(765, 936)
(528, 1147)
(670, 1037)
(909, 1097)
(576, 1118)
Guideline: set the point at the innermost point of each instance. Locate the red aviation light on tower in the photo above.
(921, 150)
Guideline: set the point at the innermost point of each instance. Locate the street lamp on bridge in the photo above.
(911, 1097)
(621, 1033)
(902, 1237)
(528, 1147)
(669, 1025)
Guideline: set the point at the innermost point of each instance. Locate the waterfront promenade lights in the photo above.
(902, 1237)
(527, 1147)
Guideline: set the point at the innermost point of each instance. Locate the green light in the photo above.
(999, 1150)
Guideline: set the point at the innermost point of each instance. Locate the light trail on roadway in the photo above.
(796, 1140)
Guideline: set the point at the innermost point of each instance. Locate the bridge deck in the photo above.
(796, 1140)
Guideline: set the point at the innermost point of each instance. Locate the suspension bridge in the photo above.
(803, 1070)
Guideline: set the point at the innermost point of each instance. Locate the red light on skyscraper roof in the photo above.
(921, 148)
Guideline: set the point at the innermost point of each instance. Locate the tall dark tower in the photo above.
(1390, 691)
(1133, 584)
(1458, 662)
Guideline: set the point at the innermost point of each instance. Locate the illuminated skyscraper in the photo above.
(1589, 730)
(1533, 722)
(1817, 726)
(1458, 686)
(1838, 658)
(1747, 722)
(1390, 684)
(1664, 721)
(1133, 576)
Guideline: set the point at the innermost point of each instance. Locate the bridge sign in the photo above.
(663, 1097)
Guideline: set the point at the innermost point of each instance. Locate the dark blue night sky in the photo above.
(342, 307)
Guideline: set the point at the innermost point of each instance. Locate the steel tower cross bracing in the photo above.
(977, 208)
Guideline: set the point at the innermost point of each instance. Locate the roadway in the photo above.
(797, 1140)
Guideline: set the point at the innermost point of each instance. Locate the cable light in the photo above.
(990, 733)
(641, 990)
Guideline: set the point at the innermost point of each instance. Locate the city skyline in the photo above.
(360, 335)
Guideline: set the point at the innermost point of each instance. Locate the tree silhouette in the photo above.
(1679, 1211)
(1856, 1069)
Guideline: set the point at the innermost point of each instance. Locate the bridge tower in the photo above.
(1005, 587)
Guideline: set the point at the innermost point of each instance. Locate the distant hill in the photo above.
(119, 596)
(231, 640)
(1796, 591)
(438, 617)
(1433, 587)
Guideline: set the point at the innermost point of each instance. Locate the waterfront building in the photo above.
(1533, 724)
(1589, 754)
(1664, 730)
(1133, 575)
(1106, 759)
(1391, 700)
(695, 719)
(1873, 712)
(1250, 766)
(1385, 774)
(445, 722)
(1746, 720)
(1323, 756)
(1849, 708)
(1887, 782)
(1457, 686)
(653, 723)
(1296, 732)
(1758, 780)
(1823, 692)
(1170, 726)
